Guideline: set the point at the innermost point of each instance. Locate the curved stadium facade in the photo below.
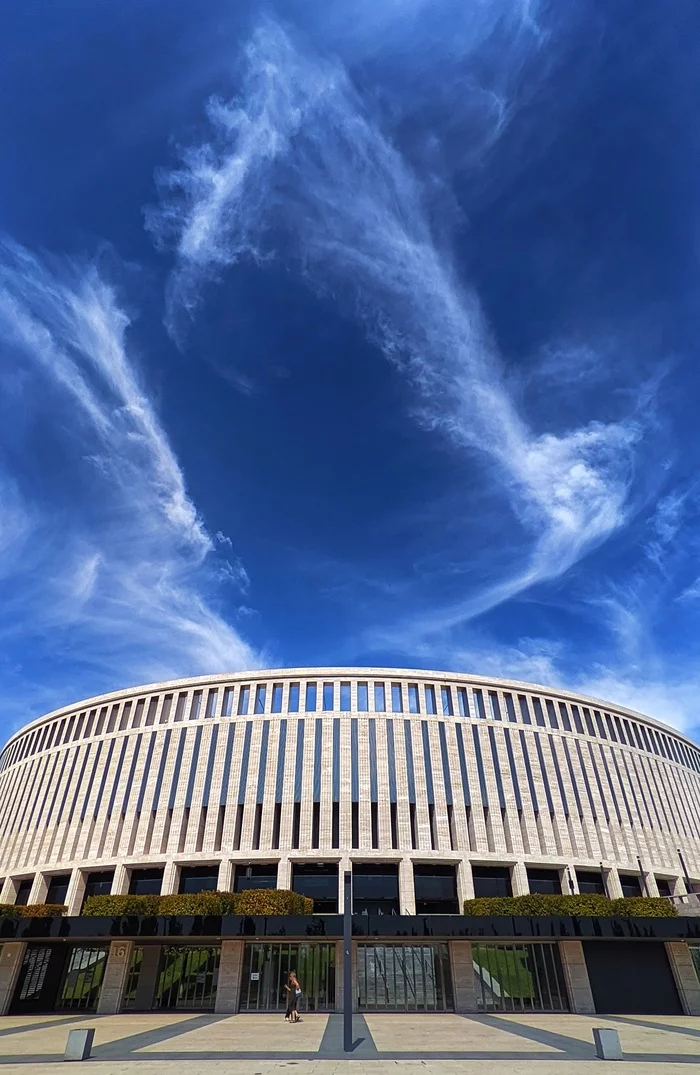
(430, 787)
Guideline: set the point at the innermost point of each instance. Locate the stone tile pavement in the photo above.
(171, 1043)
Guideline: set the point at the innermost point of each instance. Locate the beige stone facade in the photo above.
(347, 765)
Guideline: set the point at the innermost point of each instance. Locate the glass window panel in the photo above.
(310, 697)
(396, 699)
(413, 701)
(260, 692)
(328, 692)
(446, 699)
(379, 698)
(345, 697)
(277, 689)
(430, 706)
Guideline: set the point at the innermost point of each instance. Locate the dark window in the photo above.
(479, 702)
(663, 886)
(243, 701)
(430, 706)
(524, 711)
(435, 889)
(630, 885)
(276, 706)
(23, 890)
(413, 702)
(446, 699)
(492, 881)
(146, 882)
(547, 882)
(590, 881)
(318, 880)
(375, 888)
(58, 889)
(260, 693)
(198, 879)
(98, 884)
(257, 875)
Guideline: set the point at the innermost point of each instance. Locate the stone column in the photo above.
(684, 973)
(9, 890)
(284, 873)
(463, 984)
(75, 893)
(344, 865)
(39, 888)
(228, 989)
(407, 892)
(171, 878)
(519, 881)
(578, 986)
(569, 881)
(11, 958)
(649, 885)
(114, 982)
(465, 883)
(611, 878)
(224, 881)
(120, 881)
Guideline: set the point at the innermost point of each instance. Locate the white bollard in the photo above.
(607, 1043)
(79, 1044)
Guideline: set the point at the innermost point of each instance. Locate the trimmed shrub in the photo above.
(253, 902)
(113, 906)
(644, 907)
(197, 903)
(581, 904)
(272, 901)
(32, 910)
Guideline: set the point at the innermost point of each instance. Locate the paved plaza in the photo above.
(170, 1044)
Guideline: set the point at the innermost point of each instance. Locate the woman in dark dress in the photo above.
(293, 993)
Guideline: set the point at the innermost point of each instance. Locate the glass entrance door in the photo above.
(187, 977)
(404, 977)
(265, 970)
(519, 977)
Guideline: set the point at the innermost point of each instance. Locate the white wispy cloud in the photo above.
(107, 563)
(299, 153)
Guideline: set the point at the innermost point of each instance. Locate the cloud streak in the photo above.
(300, 154)
(110, 569)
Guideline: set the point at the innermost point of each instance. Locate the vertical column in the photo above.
(171, 878)
(114, 981)
(11, 957)
(578, 986)
(120, 881)
(344, 864)
(284, 873)
(569, 881)
(684, 973)
(462, 966)
(224, 881)
(39, 889)
(612, 882)
(465, 883)
(75, 893)
(649, 885)
(9, 890)
(407, 893)
(228, 990)
(519, 881)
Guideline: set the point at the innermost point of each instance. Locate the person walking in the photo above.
(293, 990)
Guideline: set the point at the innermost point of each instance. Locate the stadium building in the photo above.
(430, 787)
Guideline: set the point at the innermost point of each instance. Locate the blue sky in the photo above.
(350, 334)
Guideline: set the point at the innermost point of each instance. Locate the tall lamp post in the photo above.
(347, 961)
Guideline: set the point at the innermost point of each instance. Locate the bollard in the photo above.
(79, 1044)
(607, 1043)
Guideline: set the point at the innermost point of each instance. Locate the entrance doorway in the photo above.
(519, 978)
(56, 977)
(187, 977)
(404, 977)
(265, 970)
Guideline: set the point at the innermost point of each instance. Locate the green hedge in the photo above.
(580, 905)
(32, 910)
(256, 901)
